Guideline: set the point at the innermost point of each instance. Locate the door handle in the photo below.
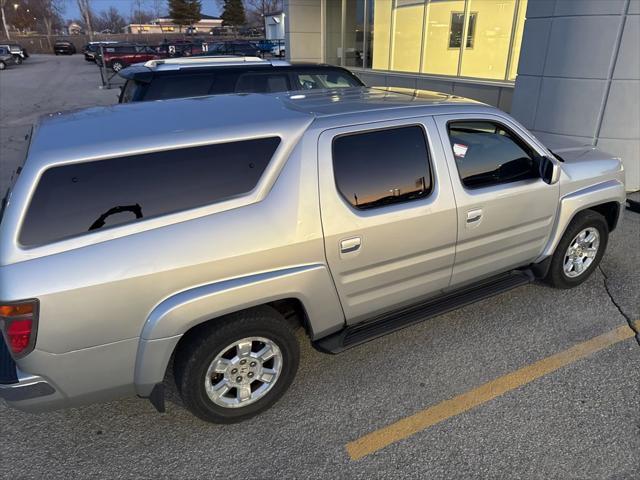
(474, 216)
(350, 245)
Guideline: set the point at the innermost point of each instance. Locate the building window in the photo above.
(426, 36)
(457, 24)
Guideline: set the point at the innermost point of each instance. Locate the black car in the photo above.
(177, 80)
(63, 47)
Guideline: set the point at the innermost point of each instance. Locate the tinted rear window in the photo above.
(179, 86)
(74, 199)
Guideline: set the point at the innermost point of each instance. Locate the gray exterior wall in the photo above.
(579, 75)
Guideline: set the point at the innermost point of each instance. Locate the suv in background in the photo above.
(195, 77)
(64, 47)
(163, 232)
(6, 58)
(117, 57)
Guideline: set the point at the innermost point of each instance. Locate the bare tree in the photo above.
(258, 9)
(4, 19)
(111, 20)
(85, 9)
(158, 8)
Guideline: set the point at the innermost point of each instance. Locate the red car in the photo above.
(118, 57)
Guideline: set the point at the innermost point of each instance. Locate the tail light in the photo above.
(19, 323)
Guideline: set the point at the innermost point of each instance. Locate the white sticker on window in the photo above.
(460, 150)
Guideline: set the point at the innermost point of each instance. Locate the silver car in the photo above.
(150, 234)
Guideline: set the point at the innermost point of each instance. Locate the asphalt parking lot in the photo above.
(534, 384)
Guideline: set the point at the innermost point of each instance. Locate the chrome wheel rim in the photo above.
(243, 372)
(581, 252)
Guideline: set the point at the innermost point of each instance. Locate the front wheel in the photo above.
(238, 366)
(579, 251)
(18, 61)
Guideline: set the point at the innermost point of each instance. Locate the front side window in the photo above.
(74, 199)
(487, 154)
(382, 167)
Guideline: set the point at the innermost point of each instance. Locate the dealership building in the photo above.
(566, 69)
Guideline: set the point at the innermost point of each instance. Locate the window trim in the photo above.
(519, 140)
(429, 165)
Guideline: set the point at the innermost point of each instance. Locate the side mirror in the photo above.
(549, 170)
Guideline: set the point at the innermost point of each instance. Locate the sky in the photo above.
(209, 7)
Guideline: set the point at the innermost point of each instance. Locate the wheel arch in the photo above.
(605, 198)
(304, 295)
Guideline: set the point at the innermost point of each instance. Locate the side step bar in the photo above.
(363, 332)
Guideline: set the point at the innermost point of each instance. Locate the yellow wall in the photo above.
(407, 38)
(517, 40)
(438, 58)
(381, 33)
(488, 57)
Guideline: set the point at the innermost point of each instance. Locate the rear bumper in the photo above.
(26, 388)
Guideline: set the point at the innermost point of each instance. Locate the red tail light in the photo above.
(19, 321)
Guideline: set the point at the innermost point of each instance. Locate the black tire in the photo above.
(2, 66)
(556, 277)
(198, 350)
(18, 61)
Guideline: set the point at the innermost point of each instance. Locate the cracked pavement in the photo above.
(579, 422)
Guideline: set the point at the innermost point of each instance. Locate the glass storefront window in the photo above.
(490, 52)
(469, 38)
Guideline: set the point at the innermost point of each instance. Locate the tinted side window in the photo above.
(382, 167)
(488, 154)
(263, 83)
(178, 86)
(73, 199)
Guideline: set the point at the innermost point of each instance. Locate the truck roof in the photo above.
(145, 126)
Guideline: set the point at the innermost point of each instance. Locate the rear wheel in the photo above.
(2, 65)
(579, 251)
(237, 366)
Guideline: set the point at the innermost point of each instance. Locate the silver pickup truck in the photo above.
(153, 235)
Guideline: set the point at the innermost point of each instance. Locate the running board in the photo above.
(377, 327)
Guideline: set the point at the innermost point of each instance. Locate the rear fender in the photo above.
(173, 317)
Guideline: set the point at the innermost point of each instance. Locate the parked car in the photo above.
(276, 48)
(193, 77)
(19, 53)
(6, 58)
(63, 47)
(117, 57)
(206, 230)
(91, 49)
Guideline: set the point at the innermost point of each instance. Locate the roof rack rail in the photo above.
(205, 60)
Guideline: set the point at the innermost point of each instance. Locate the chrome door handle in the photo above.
(474, 215)
(350, 245)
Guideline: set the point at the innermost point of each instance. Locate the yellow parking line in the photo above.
(379, 439)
